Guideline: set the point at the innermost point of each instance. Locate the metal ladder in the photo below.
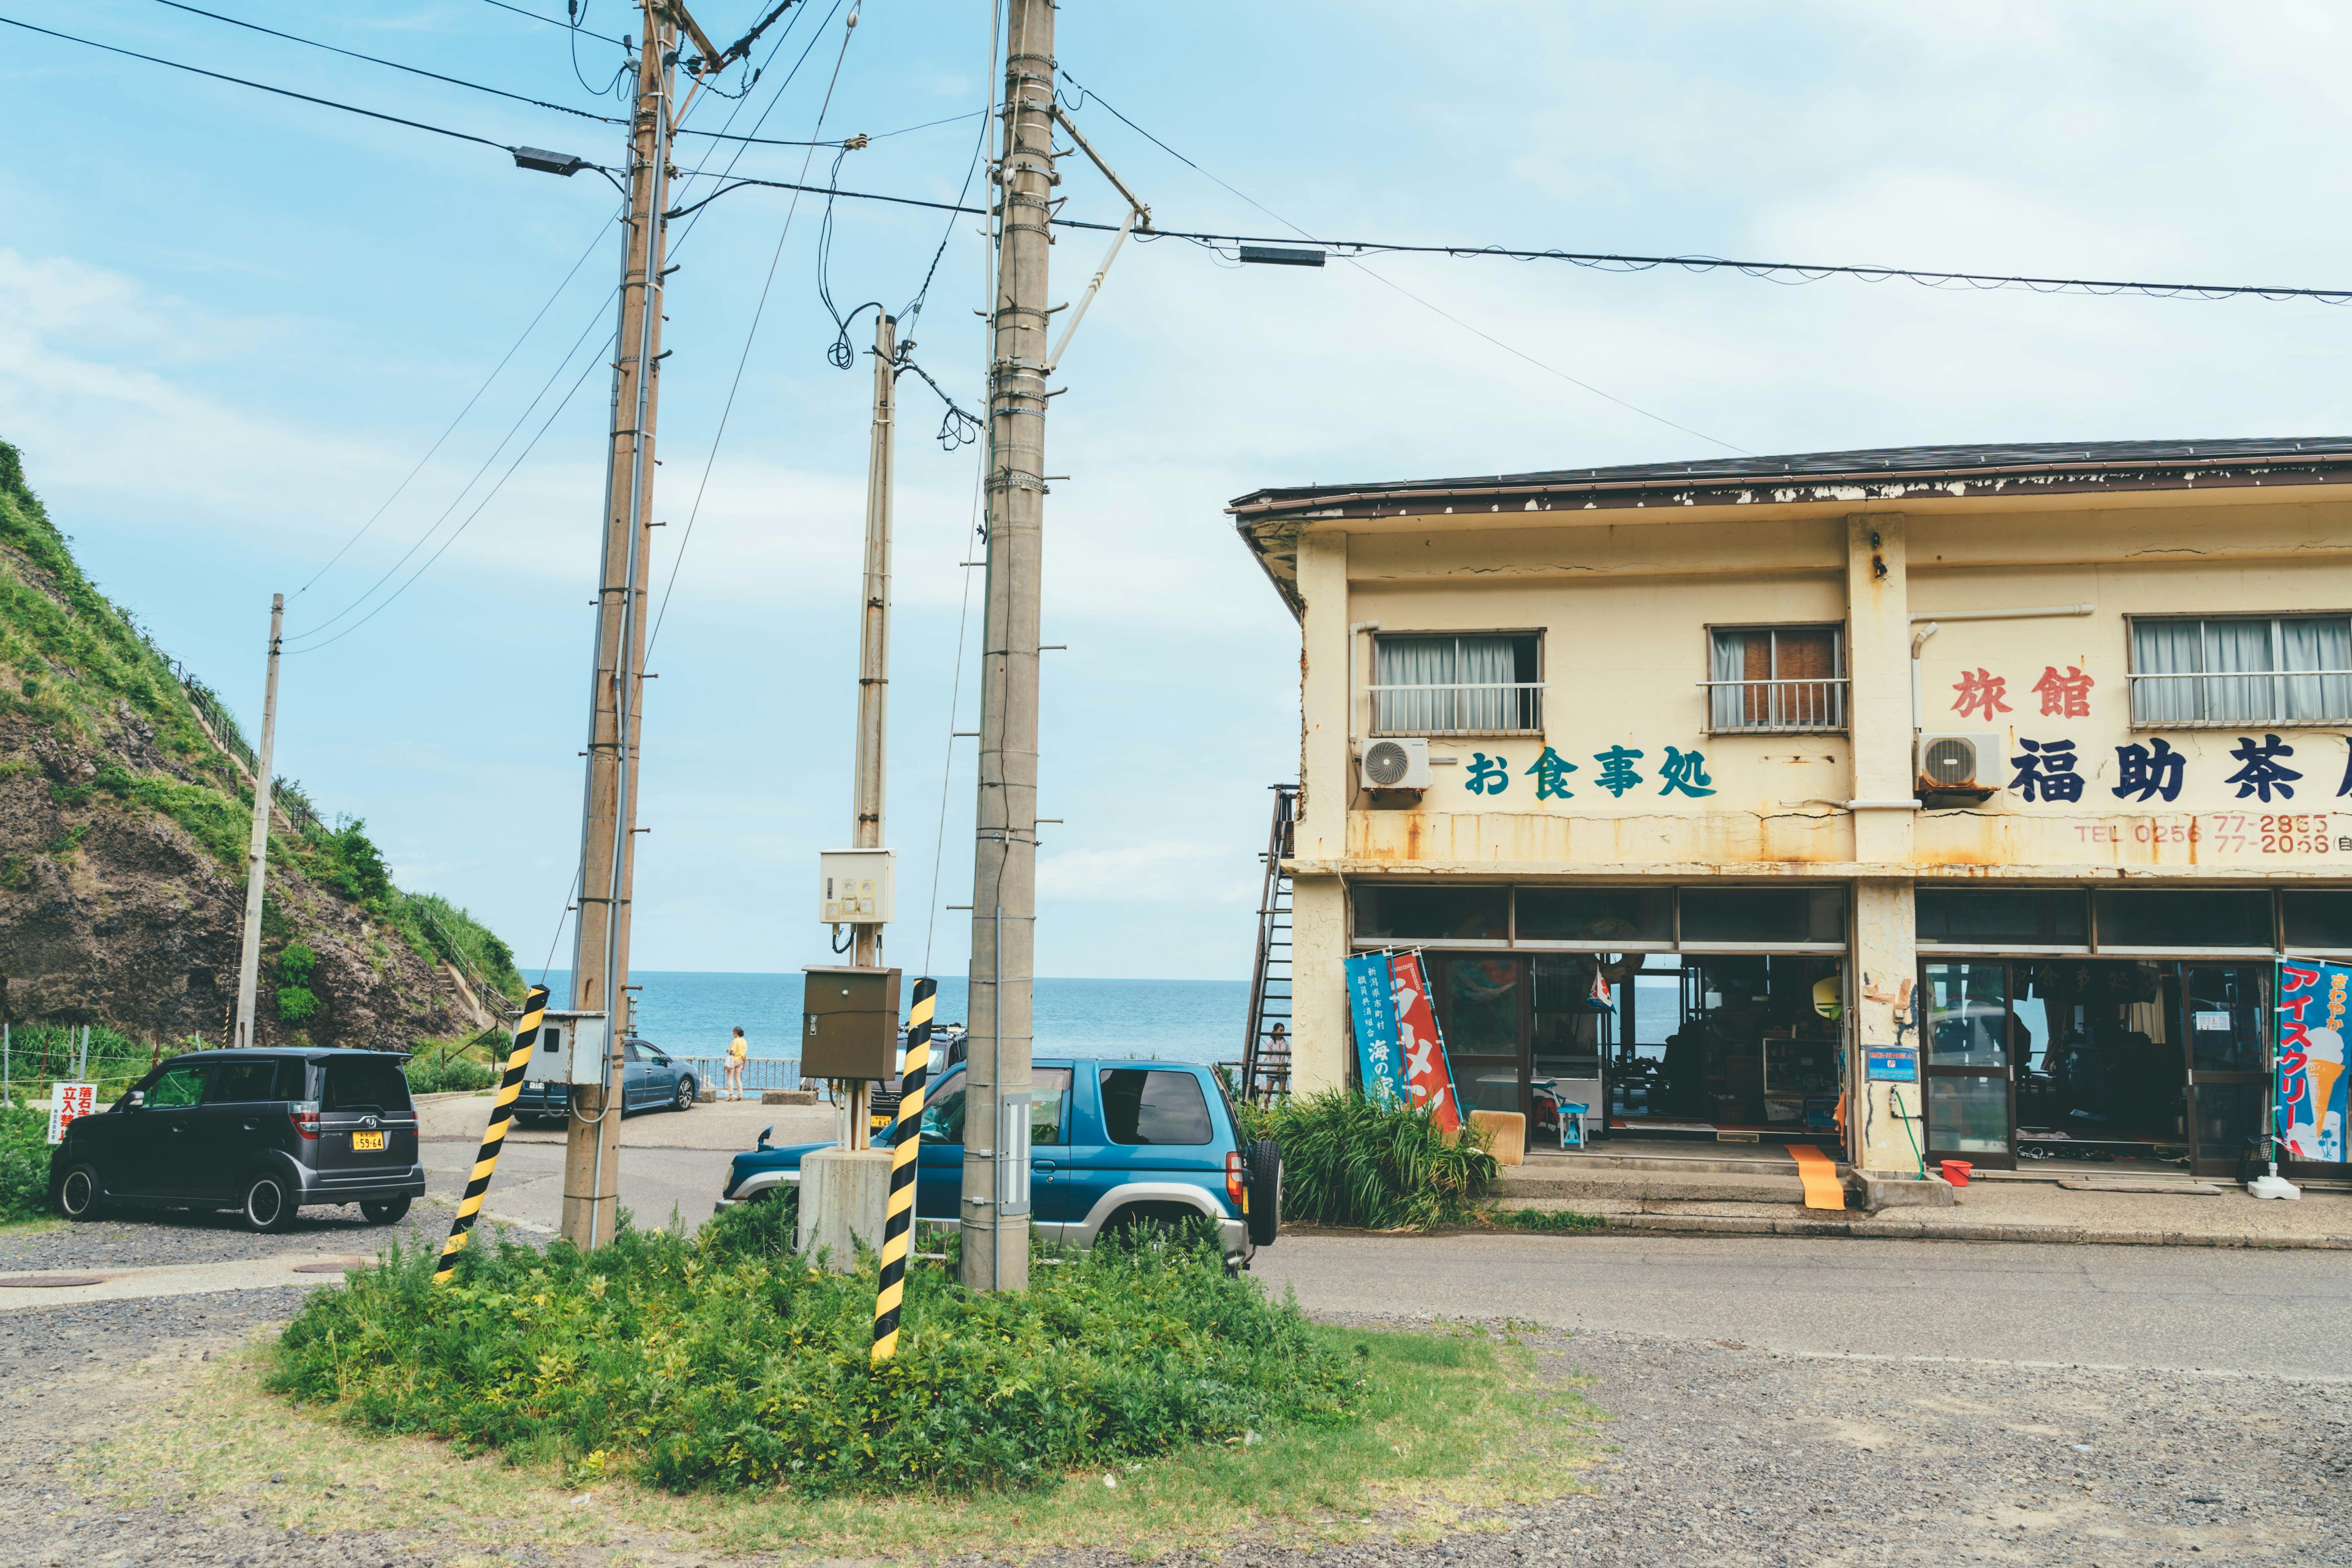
(1265, 1070)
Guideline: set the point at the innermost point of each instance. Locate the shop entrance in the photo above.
(1661, 1044)
(2142, 1063)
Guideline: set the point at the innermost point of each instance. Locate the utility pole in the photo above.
(257, 858)
(874, 665)
(600, 962)
(1004, 863)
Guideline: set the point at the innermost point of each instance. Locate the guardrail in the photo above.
(759, 1072)
(1783, 707)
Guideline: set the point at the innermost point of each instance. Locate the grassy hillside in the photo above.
(80, 680)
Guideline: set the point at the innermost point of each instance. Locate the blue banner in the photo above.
(1373, 1005)
(2310, 1085)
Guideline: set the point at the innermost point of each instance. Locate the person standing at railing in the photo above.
(737, 1049)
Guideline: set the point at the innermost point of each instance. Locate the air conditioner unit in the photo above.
(1396, 764)
(1958, 764)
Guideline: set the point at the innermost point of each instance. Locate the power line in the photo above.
(393, 64)
(556, 22)
(451, 429)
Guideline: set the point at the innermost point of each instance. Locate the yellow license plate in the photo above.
(367, 1139)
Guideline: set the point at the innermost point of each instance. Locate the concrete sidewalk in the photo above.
(730, 1125)
(2010, 1208)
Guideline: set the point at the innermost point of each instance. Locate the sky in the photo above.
(248, 346)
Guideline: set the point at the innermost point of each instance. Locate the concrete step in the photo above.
(1549, 1181)
(1727, 1163)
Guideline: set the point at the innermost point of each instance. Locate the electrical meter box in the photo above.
(572, 1049)
(857, 886)
(849, 1023)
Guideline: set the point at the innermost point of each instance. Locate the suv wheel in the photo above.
(1264, 1190)
(78, 1194)
(384, 1211)
(686, 1094)
(267, 1203)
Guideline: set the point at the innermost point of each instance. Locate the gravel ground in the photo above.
(150, 1237)
(1725, 1454)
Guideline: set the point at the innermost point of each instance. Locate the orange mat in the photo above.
(1819, 1173)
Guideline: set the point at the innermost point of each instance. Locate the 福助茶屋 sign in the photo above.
(1400, 1050)
(2310, 1085)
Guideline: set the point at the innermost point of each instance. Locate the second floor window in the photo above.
(1468, 683)
(1777, 678)
(2242, 669)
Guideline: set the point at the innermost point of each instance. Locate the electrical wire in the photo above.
(686, 177)
(451, 427)
(393, 64)
(577, 11)
(553, 22)
(711, 459)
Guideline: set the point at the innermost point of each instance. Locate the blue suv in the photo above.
(1113, 1145)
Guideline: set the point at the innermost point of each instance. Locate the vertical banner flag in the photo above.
(1374, 1010)
(2310, 1085)
(1429, 1076)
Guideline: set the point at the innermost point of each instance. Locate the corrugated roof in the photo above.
(2148, 462)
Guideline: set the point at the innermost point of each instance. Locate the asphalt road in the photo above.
(2186, 1308)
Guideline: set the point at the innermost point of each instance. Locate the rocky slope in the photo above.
(124, 822)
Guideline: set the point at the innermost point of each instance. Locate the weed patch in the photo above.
(1346, 1160)
(24, 1164)
(1554, 1221)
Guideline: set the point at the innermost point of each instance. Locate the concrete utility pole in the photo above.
(599, 962)
(874, 664)
(1004, 863)
(257, 858)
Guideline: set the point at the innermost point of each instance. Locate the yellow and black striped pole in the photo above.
(494, 1136)
(906, 1143)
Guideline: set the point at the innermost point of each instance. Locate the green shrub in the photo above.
(295, 964)
(297, 1003)
(24, 1164)
(726, 1362)
(443, 1074)
(1385, 1166)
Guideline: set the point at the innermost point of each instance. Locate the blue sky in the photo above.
(230, 324)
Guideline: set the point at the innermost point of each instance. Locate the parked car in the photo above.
(1114, 1145)
(649, 1081)
(266, 1133)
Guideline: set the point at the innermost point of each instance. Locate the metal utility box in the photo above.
(572, 1049)
(849, 1023)
(857, 886)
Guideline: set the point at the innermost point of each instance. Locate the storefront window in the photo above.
(1597, 914)
(2184, 918)
(1433, 913)
(2229, 1116)
(2228, 1018)
(1969, 1115)
(2035, 917)
(1764, 914)
(1968, 1017)
(1478, 1009)
(2317, 918)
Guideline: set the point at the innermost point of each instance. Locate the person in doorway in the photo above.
(1275, 1072)
(737, 1049)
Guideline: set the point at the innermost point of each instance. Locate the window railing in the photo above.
(1467, 708)
(1776, 707)
(2220, 700)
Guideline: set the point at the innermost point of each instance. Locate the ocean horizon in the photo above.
(693, 1012)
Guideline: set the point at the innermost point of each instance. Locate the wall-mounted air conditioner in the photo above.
(1395, 764)
(1961, 764)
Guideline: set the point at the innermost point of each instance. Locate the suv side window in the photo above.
(178, 1088)
(1049, 1105)
(943, 1117)
(242, 1083)
(1150, 1105)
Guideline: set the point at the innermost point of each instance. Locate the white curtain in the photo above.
(2316, 644)
(2232, 646)
(1473, 677)
(1729, 662)
(2167, 647)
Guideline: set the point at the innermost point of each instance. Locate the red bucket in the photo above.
(1957, 1172)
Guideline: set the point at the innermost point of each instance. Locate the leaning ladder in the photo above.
(1266, 1072)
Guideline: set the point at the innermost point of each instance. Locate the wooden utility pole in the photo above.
(257, 858)
(874, 664)
(600, 962)
(1005, 861)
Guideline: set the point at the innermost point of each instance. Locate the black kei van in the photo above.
(262, 1131)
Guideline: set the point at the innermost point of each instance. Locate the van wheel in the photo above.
(1264, 1190)
(78, 1194)
(268, 1205)
(384, 1211)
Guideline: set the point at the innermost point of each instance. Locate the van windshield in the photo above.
(360, 1083)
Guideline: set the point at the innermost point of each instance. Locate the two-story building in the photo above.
(1928, 803)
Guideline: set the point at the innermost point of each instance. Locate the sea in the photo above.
(692, 1012)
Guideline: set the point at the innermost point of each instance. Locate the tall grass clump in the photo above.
(1348, 1160)
(726, 1362)
(24, 1164)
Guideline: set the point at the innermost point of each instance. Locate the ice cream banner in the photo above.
(1378, 1064)
(2311, 1084)
(1428, 1076)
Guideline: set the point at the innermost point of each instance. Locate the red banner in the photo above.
(1427, 1073)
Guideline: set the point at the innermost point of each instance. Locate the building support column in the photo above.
(1884, 806)
(1886, 1013)
(1318, 919)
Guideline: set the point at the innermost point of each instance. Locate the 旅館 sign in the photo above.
(2310, 1084)
(1400, 1049)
